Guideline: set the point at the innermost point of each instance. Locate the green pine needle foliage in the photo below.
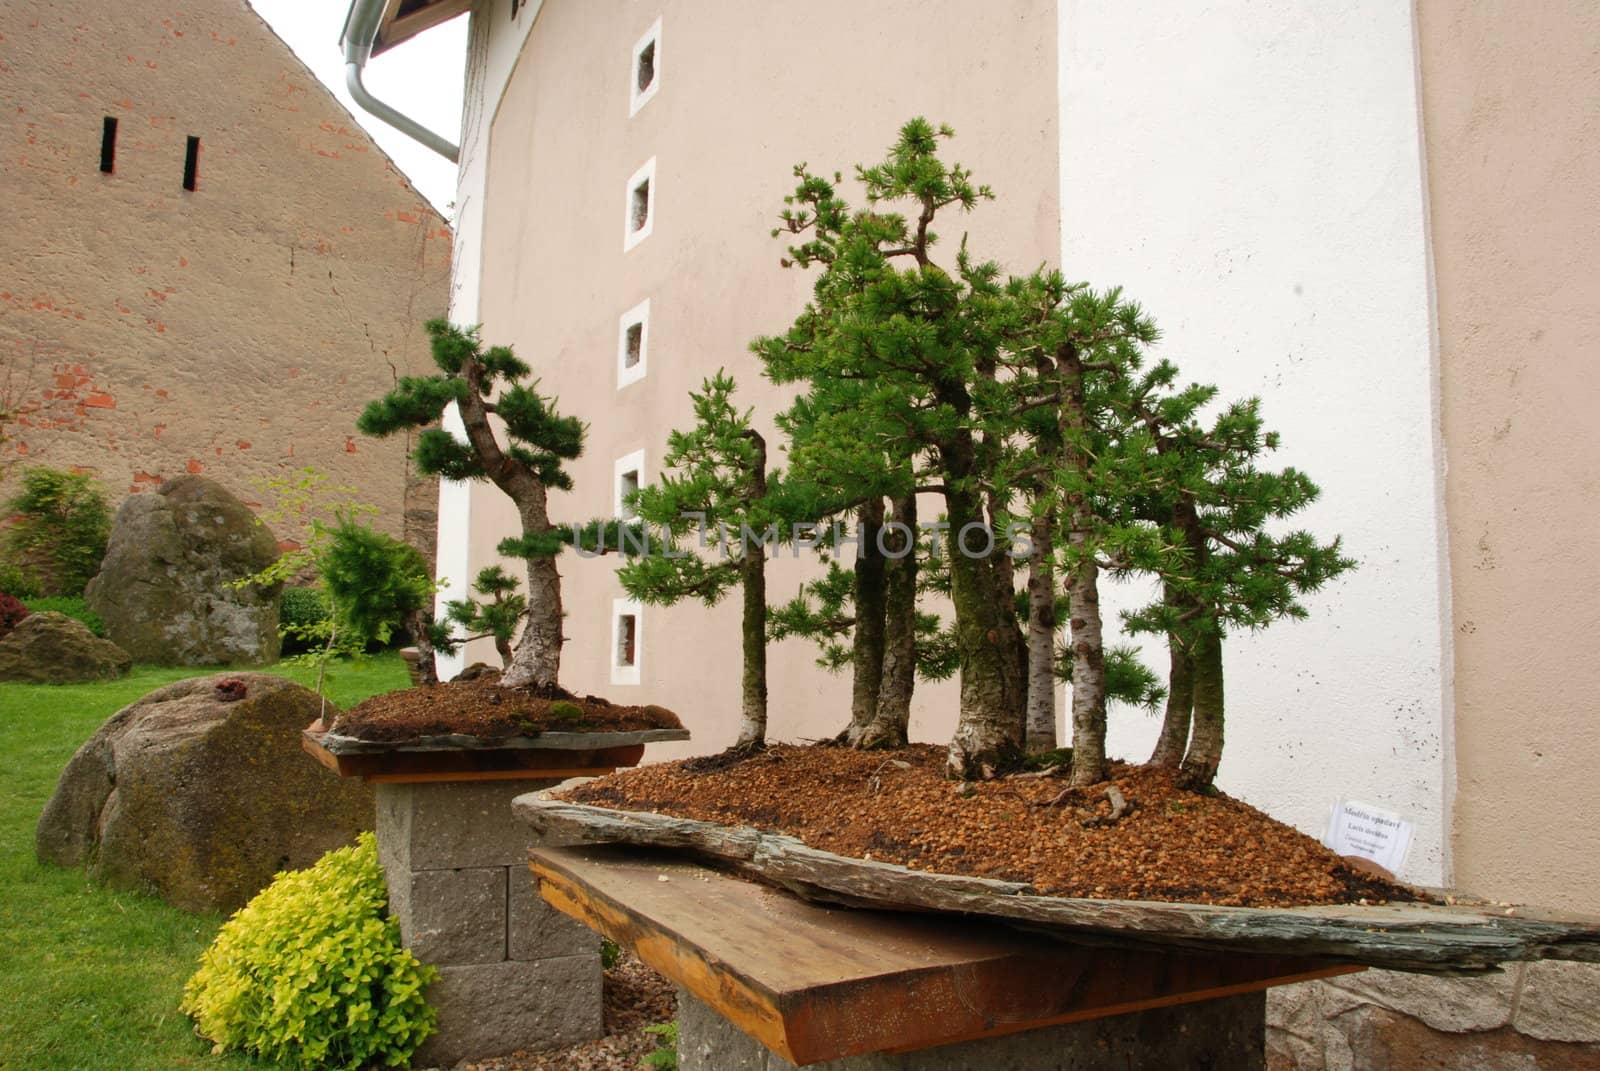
(311, 973)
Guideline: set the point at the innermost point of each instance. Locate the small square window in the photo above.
(646, 69)
(640, 217)
(628, 476)
(627, 487)
(627, 636)
(633, 344)
(627, 641)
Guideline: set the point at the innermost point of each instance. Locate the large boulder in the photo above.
(50, 648)
(200, 792)
(166, 586)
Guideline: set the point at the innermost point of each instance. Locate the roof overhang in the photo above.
(404, 19)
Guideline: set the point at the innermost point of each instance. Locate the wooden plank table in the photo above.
(814, 983)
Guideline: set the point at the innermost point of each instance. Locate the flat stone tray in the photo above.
(1424, 938)
(551, 741)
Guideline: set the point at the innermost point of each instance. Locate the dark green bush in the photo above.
(71, 605)
(60, 529)
(311, 973)
(302, 613)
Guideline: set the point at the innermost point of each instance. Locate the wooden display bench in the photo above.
(813, 983)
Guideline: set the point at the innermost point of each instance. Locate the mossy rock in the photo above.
(166, 587)
(52, 648)
(200, 793)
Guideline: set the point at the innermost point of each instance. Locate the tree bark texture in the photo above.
(753, 710)
(891, 723)
(416, 625)
(989, 732)
(1083, 584)
(1205, 744)
(867, 646)
(1041, 723)
(536, 662)
(1174, 738)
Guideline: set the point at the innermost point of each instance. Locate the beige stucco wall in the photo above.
(1513, 148)
(743, 97)
(235, 330)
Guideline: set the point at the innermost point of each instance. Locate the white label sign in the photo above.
(1371, 832)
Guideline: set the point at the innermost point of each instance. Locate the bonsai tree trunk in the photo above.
(891, 721)
(753, 574)
(1174, 738)
(1205, 746)
(1041, 724)
(867, 648)
(1083, 584)
(989, 732)
(416, 624)
(753, 722)
(536, 661)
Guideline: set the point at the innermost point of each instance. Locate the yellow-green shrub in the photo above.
(311, 973)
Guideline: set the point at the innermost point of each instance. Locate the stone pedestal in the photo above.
(1213, 1035)
(513, 972)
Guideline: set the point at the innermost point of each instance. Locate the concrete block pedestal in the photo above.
(513, 972)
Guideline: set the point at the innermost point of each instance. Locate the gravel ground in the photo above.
(635, 997)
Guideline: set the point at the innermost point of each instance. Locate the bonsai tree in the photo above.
(525, 460)
(716, 474)
(1227, 568)
(898, 358)
(495, 614)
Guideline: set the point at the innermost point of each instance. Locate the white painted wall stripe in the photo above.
(1251, 173)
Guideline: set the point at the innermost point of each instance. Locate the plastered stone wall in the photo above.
(147, 331)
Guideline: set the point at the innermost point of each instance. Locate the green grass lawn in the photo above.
(90, 978)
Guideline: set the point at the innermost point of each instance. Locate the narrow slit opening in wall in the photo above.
(191, 163)
(633, 347)
(627, 484)
(641, 205)
(627, 640)
(108, 144)
(647, 68)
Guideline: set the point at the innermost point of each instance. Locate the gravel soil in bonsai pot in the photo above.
(482, 708)
(1166, 844)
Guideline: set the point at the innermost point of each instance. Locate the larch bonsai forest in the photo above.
(1061, 452)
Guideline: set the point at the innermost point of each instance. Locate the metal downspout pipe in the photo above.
(360, 31)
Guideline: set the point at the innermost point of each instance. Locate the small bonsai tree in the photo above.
(495, 614)
(525, 461)
(1226, 566)
(716, 475)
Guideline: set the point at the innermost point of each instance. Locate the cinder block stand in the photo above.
(513, 972)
